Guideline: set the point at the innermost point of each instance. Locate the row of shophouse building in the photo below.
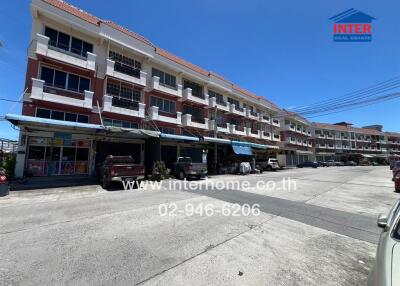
(94, 88)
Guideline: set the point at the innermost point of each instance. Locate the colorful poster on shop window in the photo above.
(68, 168)
(38, 168)
(81, 167)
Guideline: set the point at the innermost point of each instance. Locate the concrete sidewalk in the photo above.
(36, 183)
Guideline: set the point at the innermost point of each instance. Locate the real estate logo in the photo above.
(352, 26)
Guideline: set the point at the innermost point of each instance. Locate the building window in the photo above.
(234, 102)
(165, 78)
(125, 64)
(123, 91)
(59, 79)
(163, 105)
(167, 130)
(248, 107)
(60, 115)
(70, 117)
(219, 97)
(83, 118)
(197, 113)
(57, 115)
(119, 123)
(65, 42)
(197, 89)
(43, 113)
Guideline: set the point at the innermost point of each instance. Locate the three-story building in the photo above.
(95, 88)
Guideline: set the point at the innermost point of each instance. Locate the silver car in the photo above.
(386, 270)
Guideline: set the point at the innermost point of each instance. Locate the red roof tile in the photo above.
(330, 126)
(219, 76)
(344, 128)
(394, 134)
(127, 32)
(74, 11)
(294, 114)
(181, 61)
(366, 131)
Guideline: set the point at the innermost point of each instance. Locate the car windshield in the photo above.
(122, 160)
(185, 160)
(274, 160)
(393, 213)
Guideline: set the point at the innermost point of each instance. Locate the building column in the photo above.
(21, 155)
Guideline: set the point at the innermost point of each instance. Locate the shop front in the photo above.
(57, 156)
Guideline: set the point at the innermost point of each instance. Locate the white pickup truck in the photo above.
(270, 164)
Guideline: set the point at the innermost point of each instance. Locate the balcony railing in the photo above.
(265, 119)
(60, 53)
(220, 127)
(237, 110)
(221, 102)
(201, 99)
(127, 69)
(222, 105)
(190, 121)
(252, 115)
(266, 135)
(155, 115)
(125, 103)
(276, 137)
(125, 72)
(55, 95)
(252, 133)
(276, 122)
(123, 106)
(175, 90)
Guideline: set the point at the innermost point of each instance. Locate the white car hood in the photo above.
(396, 265)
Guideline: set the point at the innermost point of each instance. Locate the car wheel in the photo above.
(181, 175)
(269, 168)
(105, 184)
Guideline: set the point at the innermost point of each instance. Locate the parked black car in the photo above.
(350, 163)
(308, 164)
(323, 164)
(185, 168)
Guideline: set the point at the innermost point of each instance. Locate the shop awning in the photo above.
(302, 152)
(131, 132)
(241, 149)
(17, 119)
(179, 137)
(216, 140)
(367, 156)
(250, 144)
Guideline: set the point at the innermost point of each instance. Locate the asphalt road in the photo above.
(321, 233)
(353, 225)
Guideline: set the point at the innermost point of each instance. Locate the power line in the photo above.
(383, 99)
(11, 100)
(352, 96)
(341, 105)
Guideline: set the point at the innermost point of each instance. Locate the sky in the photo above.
(282, 50)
